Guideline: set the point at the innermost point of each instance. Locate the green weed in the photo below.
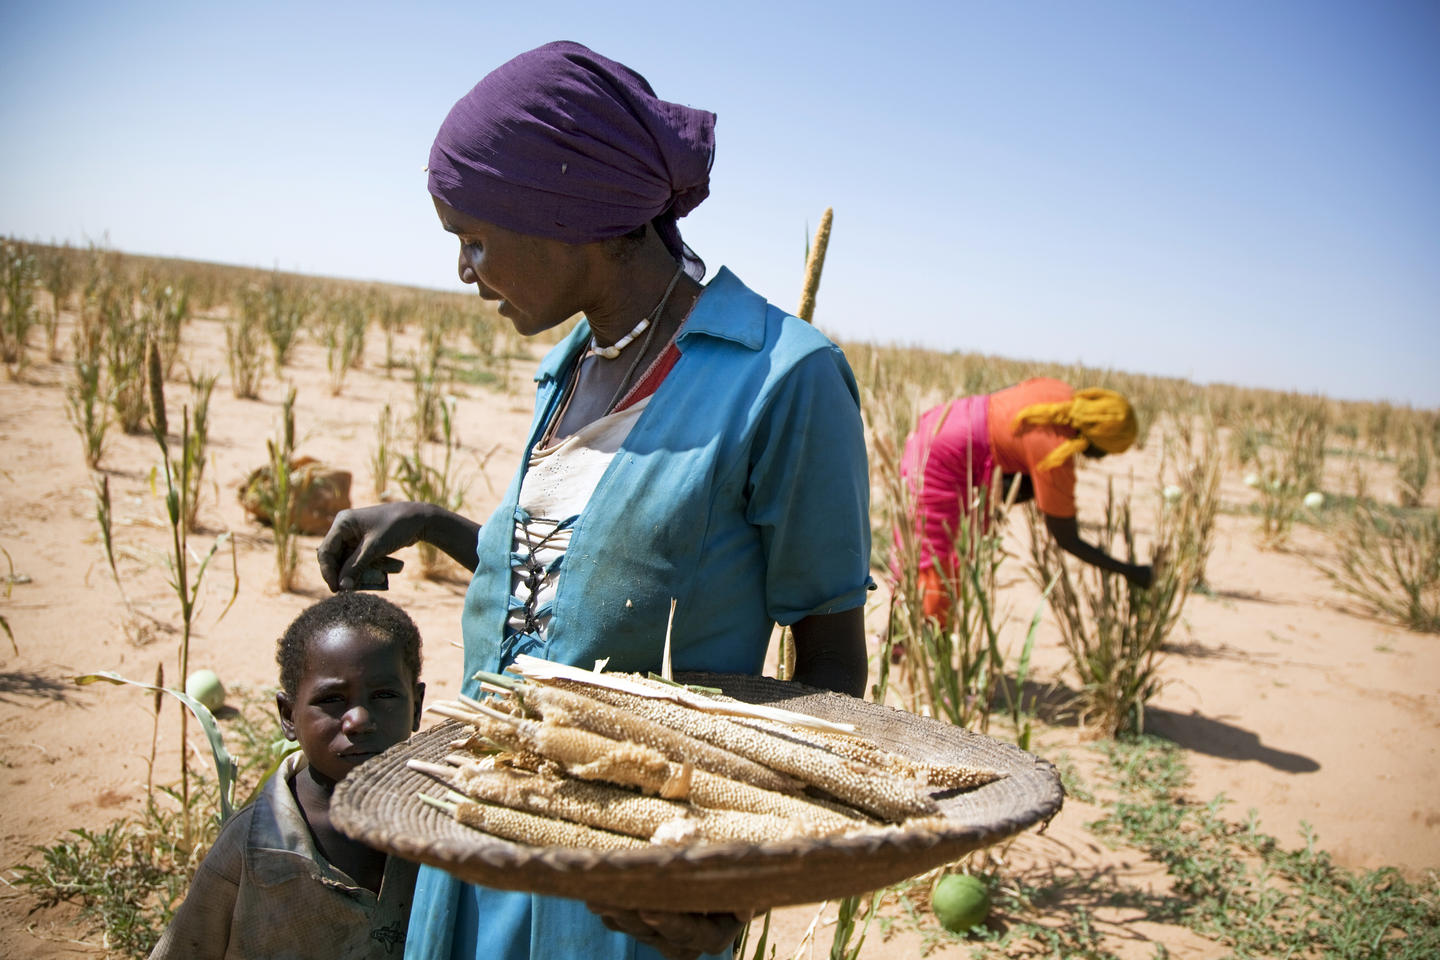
(167, 307)
(243, 348)
(19, 276)
(186, 586)
(1238, 886)
(282, 506)
(421, 478)
(1389, 560)
(59, 276)
(481, 331)
(382, 459)
(1195, 460)
(394, 314)
(343, 333)
(125, 337)
(1291, 468)
(285, 303)
(1230, 882)
(1412, 468)
(1114, 631)
(128, 877)
(202, 386)
(87, 404)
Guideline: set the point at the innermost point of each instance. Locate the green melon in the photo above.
(960, 902)
(205, 686)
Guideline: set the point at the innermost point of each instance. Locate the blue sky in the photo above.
(1221, 190)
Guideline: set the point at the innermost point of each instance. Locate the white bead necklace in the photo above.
(613, 351)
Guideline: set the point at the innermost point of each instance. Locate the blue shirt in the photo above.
(742, 492)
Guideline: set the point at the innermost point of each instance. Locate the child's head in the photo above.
(350, 680)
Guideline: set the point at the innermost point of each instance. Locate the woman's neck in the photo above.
(632, 287)
(599, 381)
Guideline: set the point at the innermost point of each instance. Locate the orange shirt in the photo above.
(1054, 489)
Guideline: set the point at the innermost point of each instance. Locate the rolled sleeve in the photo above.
(808, 492)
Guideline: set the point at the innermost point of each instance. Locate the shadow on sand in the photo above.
(28, 685)
(1055, 704)
(1215, 738)
(1248, 596)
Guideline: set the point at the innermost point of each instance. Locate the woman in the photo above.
(689, 442)
(1030, 432)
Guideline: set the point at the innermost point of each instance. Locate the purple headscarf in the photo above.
(561, 142)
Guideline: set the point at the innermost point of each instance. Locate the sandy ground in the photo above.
(1283, 697)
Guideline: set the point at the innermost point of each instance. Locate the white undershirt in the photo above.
(559, 481)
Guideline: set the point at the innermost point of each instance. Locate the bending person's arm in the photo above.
(361, 538)
(1067, 536)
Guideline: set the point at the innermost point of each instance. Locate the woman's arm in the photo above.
(359, 539)
(809, 495)
(1067, 536)
(830, 651)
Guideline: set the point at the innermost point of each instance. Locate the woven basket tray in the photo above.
(377, 805)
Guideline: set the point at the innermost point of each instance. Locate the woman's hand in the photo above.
(679, 936)
(360, 539)
(1140, 575)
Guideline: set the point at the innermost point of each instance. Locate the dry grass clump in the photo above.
(166, 308)
(1195, 464)
(59, 274)
(1389, 560)
(342, 330)
(285, 303)
(244, 348)
(19, 278)
(1285, 449)
(1115, 632)
(429, 476)
(85, 400)
(126, 337)
(1412, 465)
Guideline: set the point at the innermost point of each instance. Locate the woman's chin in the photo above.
(524, 324)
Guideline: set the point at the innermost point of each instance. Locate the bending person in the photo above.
(689, 441)
(1031, 431)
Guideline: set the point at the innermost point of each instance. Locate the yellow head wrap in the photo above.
(1099, 416)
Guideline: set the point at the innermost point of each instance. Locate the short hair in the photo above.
(622, 249)
(350, 608)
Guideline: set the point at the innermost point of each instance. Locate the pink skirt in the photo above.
(947, 458)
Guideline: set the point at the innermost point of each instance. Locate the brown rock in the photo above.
(319, 492)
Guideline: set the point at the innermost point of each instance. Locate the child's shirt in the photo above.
(265, 892)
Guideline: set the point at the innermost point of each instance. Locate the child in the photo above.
(281, 881)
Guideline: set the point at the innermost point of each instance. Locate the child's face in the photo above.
(356, 697)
